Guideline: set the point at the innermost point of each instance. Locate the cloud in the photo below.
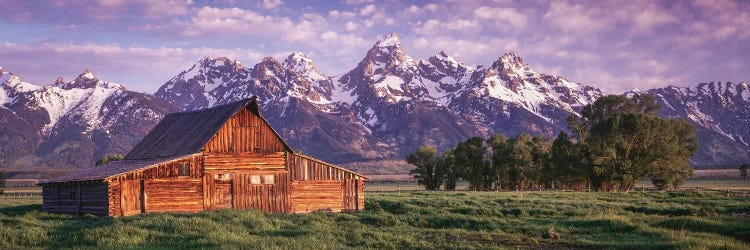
(138, 68)
(242, 22)
(502, 15)
(272, 4)
(612, 44)
(81, 12)
(434, 27)
(335, 14)
(367, 10)
(351, 26)
(357, 2)
(575, 18)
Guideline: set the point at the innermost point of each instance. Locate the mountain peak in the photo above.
(389, 40)
(87, 80)
(269, 59)
(388, 52)
(59, 81)
(86, 74)
(222, 61)
(298, 58)
(443, 56)
(304, 65)
(511, 63)
(511, 57)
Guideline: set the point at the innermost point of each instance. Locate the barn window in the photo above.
(183, 169)
(72, 195)
(255, 179)
(268, 179)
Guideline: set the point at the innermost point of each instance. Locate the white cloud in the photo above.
(574, 18)
(138, 68)
(435, 27)
(357, 2)
(367, 10)
(335, 14)
(503, 15)
(242, 22)
(272, 4)
(351, 26)
(329, 35)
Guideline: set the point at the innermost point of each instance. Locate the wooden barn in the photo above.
(222, 157)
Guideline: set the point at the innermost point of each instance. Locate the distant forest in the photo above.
(615, 142)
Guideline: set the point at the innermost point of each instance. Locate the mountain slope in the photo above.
(721, 113)
(71, 124)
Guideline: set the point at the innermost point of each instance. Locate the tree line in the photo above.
(615, 142)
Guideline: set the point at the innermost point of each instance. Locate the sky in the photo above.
(613, 45)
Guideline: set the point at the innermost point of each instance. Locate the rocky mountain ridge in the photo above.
(383, 108)
(71, 124)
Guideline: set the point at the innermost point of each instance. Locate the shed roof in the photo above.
(112, 169)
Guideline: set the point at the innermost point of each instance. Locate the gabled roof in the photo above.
(112, 169)
(188, 132)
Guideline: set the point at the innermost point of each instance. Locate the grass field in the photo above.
(722, 184)
(428, 220)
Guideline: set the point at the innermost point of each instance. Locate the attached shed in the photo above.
(222, 157)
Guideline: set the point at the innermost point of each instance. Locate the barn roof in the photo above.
(188, 132)
(112, 169)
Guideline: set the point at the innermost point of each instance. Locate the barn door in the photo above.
(222, 195)
(131, 197)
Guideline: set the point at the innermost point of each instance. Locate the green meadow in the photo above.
(413, 220)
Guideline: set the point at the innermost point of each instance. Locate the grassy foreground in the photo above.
(465, 220)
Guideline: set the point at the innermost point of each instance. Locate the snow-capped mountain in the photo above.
(392, 103)
(721, 113)
(512, 98)
(383, 108)
(391, 98)
(71, 123)
(293, 94)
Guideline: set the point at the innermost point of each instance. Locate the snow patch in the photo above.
(388, 85)
(88, 75)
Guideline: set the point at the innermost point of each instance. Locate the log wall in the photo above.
(245, 161)
(245, 132)
(157, 189)
(174, 195)
(316, 195)
(304, 168)
(76, 198)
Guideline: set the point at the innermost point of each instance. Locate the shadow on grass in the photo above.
(20, 210)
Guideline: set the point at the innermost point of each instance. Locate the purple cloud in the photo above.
(614, 45)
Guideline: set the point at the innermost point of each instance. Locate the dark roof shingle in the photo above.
(112, 169)
(184, 133)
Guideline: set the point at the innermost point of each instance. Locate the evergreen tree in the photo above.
(428, 172)
(743, 171)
